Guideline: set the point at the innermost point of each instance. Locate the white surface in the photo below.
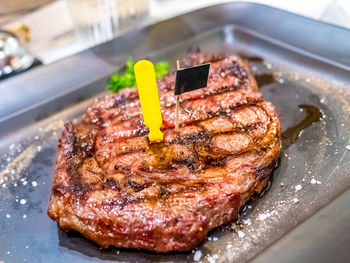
(53, 36)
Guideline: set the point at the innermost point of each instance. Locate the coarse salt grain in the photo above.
(313, 181)
(247, 222)
(8, 216)
(347, 147)
(34, 184)
(197, 255)
(318, 182)
(241, 234)
(23, 201)
(298, 187)
(295, 200)
(24, 216)
(229, 246)
(215, 239)
(262, 217)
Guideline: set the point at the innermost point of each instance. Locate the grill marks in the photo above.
(116, 188)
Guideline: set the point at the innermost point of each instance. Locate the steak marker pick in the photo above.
(188, 79)
(149, 99)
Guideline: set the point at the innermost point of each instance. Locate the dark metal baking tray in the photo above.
(310, 64)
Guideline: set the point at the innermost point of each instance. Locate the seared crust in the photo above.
(116, 188)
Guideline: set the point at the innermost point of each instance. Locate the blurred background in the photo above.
(35, 32)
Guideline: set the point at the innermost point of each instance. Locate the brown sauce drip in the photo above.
(264, 79)
(291, 135)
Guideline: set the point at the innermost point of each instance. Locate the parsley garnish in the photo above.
(127, 80)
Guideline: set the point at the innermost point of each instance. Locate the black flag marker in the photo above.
(192, 78)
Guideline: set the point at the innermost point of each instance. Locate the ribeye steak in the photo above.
(116, 188)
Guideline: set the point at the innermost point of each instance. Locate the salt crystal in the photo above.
(210, 238)
(12, 146)
(269, 66)
(211, 260)
(318, 182)
(215, 256)
(38, 148)
(313, 181)
(347, 147)
(322, 100)
(3, 185)
(295, 200)
(8, 159)
(34, 184)
(23, 201)
(282, 184)
(24, 182)
(27, 246)
(36, 137)
(229, 246)
(247, 222)
(241, 234)
(13, 171)
(215, 239)
(298, 187)
(197, 255)
(8, 252)
(8, 216)
(249, 207)
(24, 216)
(262, 217)
(281, 80)
(15, 184)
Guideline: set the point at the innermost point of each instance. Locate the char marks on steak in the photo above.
(117, 189)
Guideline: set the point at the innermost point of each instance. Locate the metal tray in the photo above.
(297, 61)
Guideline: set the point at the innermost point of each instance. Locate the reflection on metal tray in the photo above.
(309, 91)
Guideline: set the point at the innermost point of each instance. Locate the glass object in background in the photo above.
(97, 21)
(14, 57)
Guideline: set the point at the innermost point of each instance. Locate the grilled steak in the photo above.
(118, 189)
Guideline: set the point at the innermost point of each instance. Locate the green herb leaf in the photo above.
(127, 80)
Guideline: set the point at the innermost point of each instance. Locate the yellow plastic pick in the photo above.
(147, 87)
